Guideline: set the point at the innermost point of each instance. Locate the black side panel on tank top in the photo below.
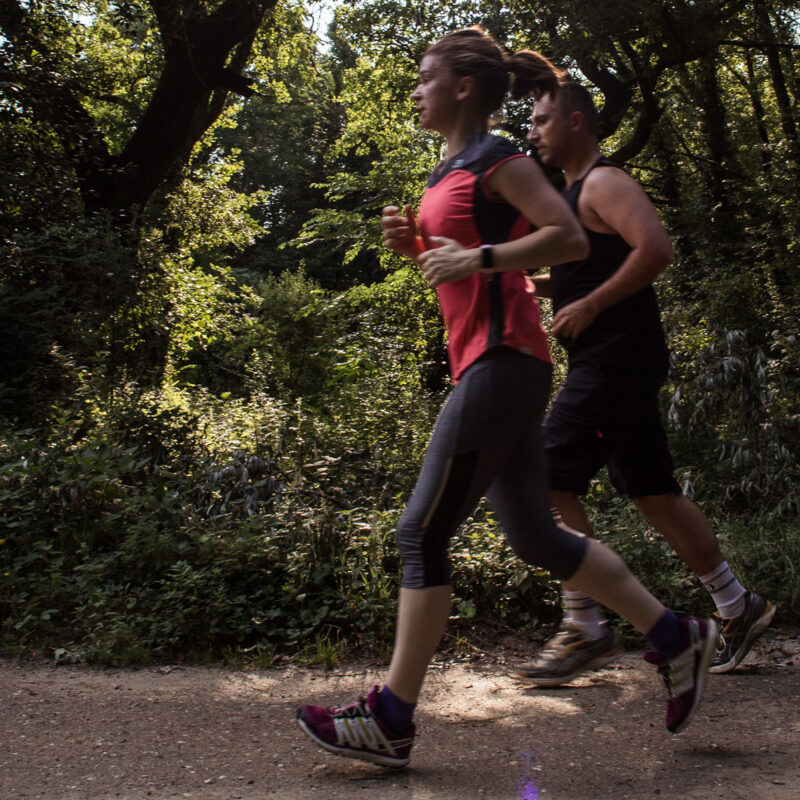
(627, 335)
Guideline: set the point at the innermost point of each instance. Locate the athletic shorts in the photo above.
(609, 418)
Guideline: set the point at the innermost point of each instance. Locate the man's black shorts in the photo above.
(609, 417)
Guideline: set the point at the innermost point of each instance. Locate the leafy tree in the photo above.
(203, 48)
(113, 97)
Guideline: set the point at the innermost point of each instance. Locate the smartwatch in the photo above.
(487, 257)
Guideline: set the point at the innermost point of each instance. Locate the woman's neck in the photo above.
(458, 137)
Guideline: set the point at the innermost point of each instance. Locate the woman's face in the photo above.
(436, 94)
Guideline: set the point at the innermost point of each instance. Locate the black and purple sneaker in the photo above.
(356, 731)
(685, 673)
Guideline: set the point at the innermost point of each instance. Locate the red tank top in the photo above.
(481, 312)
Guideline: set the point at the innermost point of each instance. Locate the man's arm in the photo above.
(613, 202)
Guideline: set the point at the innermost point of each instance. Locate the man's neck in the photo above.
(579, 162)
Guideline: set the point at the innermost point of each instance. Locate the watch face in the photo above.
(487, 256)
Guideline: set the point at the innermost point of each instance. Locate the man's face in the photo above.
(549, 131)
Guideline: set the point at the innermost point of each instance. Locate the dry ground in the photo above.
(83, 733)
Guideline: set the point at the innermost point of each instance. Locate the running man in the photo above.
(606, 316)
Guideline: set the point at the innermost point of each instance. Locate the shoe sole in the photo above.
(756, 629)
(560, 680)
(702, 673)
(348, 752)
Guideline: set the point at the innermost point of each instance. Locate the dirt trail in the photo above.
(82, 733)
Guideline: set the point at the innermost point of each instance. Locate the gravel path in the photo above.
(84, 733)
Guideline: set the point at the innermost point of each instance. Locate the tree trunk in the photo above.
(715, 128)
(759, 115)
(680, 232)
(204, 53)
(788, 123)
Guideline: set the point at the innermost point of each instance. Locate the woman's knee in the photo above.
(425, 558)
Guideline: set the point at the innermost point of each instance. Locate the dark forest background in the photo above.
(216, 385)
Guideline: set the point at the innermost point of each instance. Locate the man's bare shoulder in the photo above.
(608, 193)
(606, 178)
(613, 202)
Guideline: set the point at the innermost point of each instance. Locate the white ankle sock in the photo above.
(726, 592)
(583, 612)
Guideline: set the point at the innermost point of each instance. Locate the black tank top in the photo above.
(629, 334)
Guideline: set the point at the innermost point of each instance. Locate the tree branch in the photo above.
(203, 59)
(617, 96)
(645, 122)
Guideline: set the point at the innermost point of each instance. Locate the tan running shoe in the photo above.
(568, 654)
(739, 634)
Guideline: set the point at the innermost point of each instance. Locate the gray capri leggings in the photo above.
(487, 441)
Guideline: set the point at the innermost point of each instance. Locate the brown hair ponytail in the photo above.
(533, 74)
(474, 52)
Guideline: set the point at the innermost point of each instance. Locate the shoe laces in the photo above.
(563, 637)
(357, 726)
(556, 646)
(353, 710)
(677, 674)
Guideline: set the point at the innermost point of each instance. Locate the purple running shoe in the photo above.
(685, 673)
(356, 731)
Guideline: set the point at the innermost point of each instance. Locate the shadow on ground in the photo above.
(82, 733)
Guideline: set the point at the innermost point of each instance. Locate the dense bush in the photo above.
(113, 552)
(258, 520)
(762, 552)
(127, 539)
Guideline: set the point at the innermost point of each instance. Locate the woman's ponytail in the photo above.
(474, 52)
(533, 73)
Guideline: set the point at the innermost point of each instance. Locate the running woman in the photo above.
(476, 218)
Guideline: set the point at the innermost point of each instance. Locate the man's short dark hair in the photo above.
(574, 97)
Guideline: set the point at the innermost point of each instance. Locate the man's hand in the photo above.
(400, 232)
(572, 320)
(448, 261)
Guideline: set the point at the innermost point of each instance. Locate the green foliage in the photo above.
(618, 524)
(389, 366)
(286, 132)
(232, 383)
(183, 523)
(740, 401)
(120, 55)
(765, 553)
(761, 551)
(113, 555)
(492, 585)
(54, 278)
(140, 515)
(280, 343)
